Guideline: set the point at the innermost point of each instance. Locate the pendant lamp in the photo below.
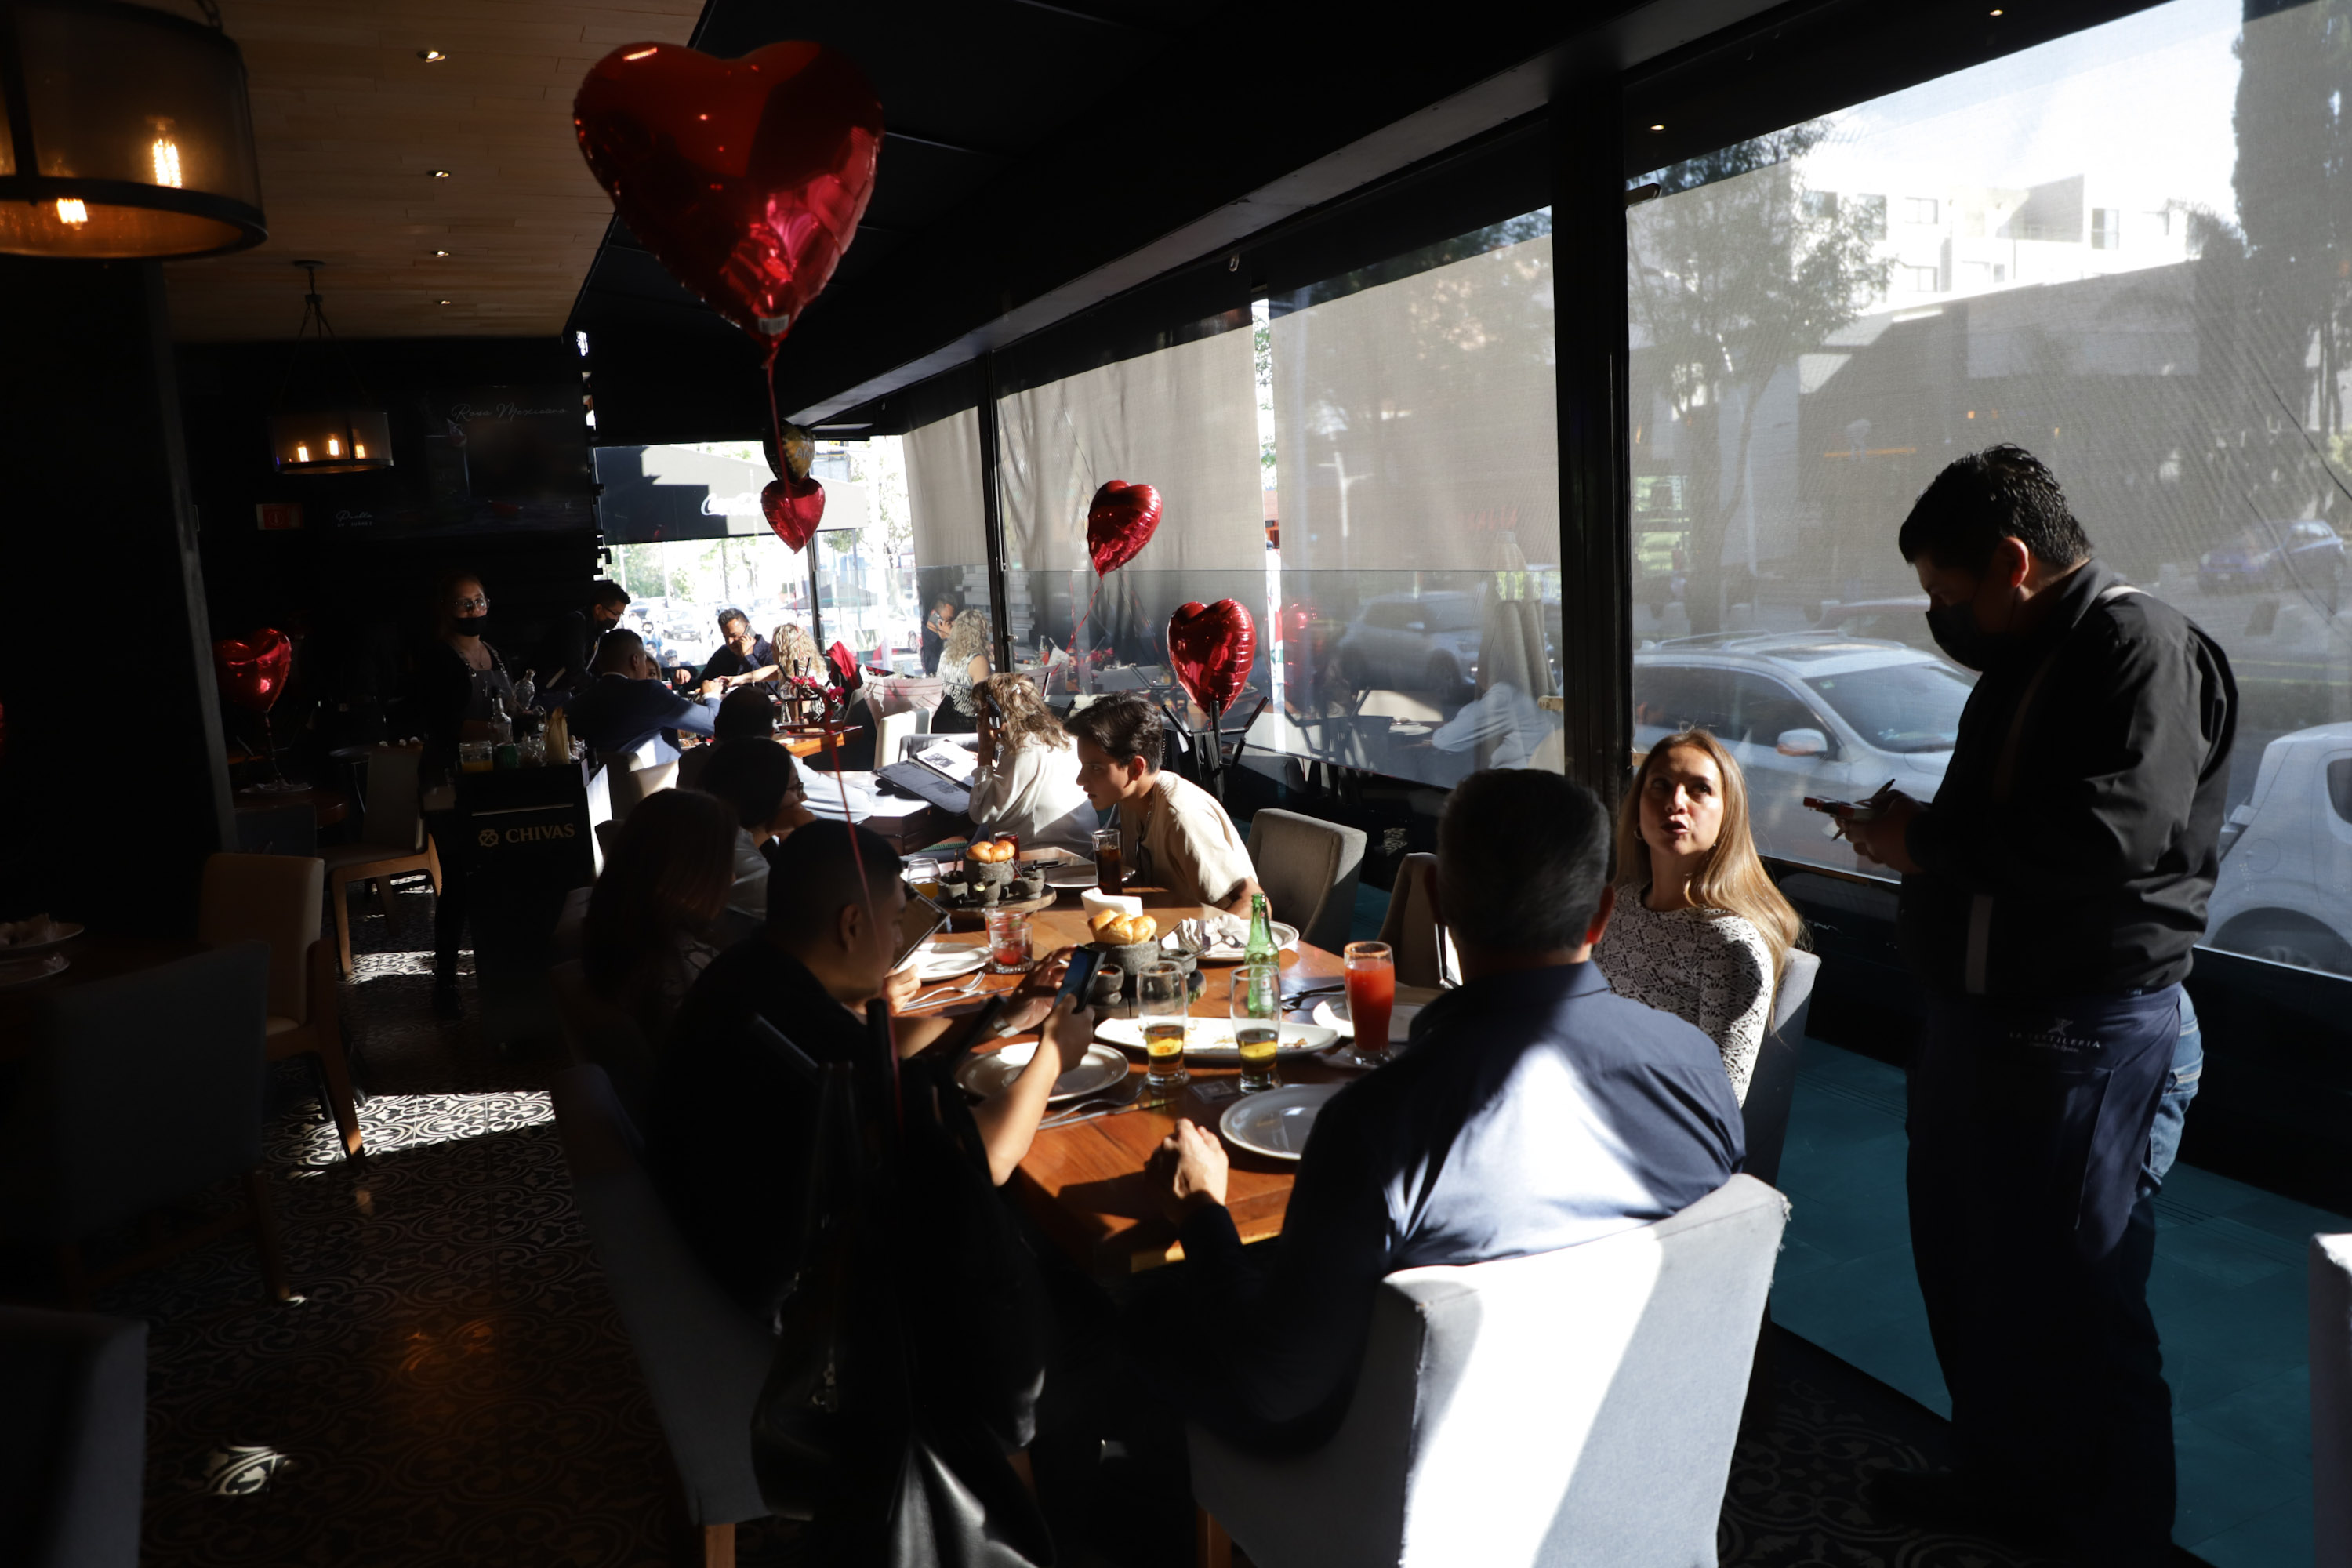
(124, 132)
(330, 428)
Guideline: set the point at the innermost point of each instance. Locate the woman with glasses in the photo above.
(460, 683)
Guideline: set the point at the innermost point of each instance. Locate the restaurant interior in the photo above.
(1513, 390)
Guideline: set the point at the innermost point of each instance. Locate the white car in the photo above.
(1806, 713)
(2285, 888)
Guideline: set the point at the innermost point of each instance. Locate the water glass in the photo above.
(1008, 941)
(1163, 997)
(1256, 1012)
(1371, 996)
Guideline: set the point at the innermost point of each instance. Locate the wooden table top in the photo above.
(1086, 1184)
(329, 805)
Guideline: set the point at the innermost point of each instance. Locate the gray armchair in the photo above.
(139, 1092)
(1308, 868)
(73, 1439)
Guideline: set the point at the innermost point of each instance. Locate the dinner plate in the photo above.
(1334, 1016)
(1213, 1038)
(937, 961)
(1275, 1121)
(26, 971)
(1070, 876)
(986, 1074)
(65, 931)
(1286, 937)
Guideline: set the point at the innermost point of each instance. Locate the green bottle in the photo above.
(1261, 947)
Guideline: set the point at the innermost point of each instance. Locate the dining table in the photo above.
(1086, 1184)
(91, 957)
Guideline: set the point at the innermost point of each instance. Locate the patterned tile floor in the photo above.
(454, 1386)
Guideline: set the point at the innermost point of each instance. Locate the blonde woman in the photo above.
(1700, 930)
(964, 665)
(1028, 779)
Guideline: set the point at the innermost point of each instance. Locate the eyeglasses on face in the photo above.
(474, 606)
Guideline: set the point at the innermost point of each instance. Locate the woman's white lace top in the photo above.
(1709, 967)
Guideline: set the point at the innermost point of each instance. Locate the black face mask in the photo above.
(472, 626)
(1965, 644)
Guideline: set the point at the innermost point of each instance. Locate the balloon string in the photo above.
(1084, 613)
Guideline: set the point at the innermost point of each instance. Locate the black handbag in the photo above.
(910, 1345)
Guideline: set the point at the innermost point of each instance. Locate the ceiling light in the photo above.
(431, 56)
(444, 301)
(440, 253)
(438, 173)
(159, 161)
(333, 426)
(1657, 127)
(1996, 13)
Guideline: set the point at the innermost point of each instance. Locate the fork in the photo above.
(1100, 1105)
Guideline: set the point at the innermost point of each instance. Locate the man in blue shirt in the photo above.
(629, 704)
(1534, 1109)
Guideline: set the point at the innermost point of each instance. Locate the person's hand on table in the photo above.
(1190, 1170)
(899, 987)
(1033, 999)
(1881, 838)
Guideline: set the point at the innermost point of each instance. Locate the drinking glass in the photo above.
(922, 874)
(1008, 941)
(474, 756)
(1163, 995)
(1256, 1012)
(1109, 876)
(1371, 993)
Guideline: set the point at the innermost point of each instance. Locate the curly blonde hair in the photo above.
(1020, 712)
(1732, 876)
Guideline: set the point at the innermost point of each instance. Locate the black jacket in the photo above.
(2092, 878)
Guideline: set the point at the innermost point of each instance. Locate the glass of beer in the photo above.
(1110, 876)
(1371, 993)
(922, 875)
(1164, 996)
(1256, 1012)
(1008, 941)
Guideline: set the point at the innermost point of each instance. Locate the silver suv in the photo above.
(1806, 713)
(2286, 888)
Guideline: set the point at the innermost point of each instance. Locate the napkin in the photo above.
(1096, 901)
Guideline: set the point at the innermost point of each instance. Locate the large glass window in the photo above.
(2122, 250)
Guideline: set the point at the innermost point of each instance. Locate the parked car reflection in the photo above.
(1425, 643)
(2275, 556)
(2286, 888)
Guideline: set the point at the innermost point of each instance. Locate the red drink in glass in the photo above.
(1371, 994)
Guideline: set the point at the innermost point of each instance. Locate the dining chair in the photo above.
(77, 1388)
(2331, 1397)
(275, 899)
(1772, 1081)
(1422, 949)
(891, 732)
(391, 843)
(140, 1092)
(1308, 868)
(630, 785)
(1566, 1408)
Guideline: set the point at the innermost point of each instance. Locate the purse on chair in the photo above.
(899, 1459)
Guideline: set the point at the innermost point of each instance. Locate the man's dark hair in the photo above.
(746, 710)
(2001, 493)
(814, 873)
(1522, 860)
(752, 776)
(731, 613)
(605, 591)
(1123, 724)
(614, 653)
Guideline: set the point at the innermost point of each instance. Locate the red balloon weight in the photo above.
(1212, 648)
(794, 508)
(746, 178)
(252, 669)
(1119, 523)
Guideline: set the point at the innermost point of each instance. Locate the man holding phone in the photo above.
(2052, 894)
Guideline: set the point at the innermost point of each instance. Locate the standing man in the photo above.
(2051, 893)
(566, 658)
(630, 705)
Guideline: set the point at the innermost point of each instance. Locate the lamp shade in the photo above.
(335, 441)
(125, 133)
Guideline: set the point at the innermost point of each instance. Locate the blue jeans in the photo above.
(2172, 1110)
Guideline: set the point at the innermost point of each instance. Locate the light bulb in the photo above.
(70, 210)
(301, 453)
(359, 448)
(167, 161)
(334, 447)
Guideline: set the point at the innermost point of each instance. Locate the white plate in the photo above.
(1286, 937)
(1334, 1016)
(1070, 876)
(26, 971)
(66, 932)
(1214, 1037)
(985, 1074)
(937, 961)
(1275, 1121)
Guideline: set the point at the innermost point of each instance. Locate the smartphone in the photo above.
(1847, 810)
(920, 921)
(1080, 978)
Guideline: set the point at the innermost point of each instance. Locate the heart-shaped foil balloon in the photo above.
(794, 508)
(252, 669)
(1121, 523)
(746, 178)
(1211, 647)
(799, 451)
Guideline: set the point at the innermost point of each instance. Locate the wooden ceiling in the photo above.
(350, 124)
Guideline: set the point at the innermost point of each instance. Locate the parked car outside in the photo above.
(1902, 618)
(1425, 643)
(2285, 888)
(1806, 713)
(2275, 556)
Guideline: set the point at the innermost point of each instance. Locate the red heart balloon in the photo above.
(1212, 648)
(1121, 523)
(746, 178)
(252, 669)
(794, 508)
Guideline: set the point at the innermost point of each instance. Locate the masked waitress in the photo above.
(459, 676)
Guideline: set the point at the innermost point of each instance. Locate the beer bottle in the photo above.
(1261, 947)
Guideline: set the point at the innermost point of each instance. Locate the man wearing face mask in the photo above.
(2051, 893)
